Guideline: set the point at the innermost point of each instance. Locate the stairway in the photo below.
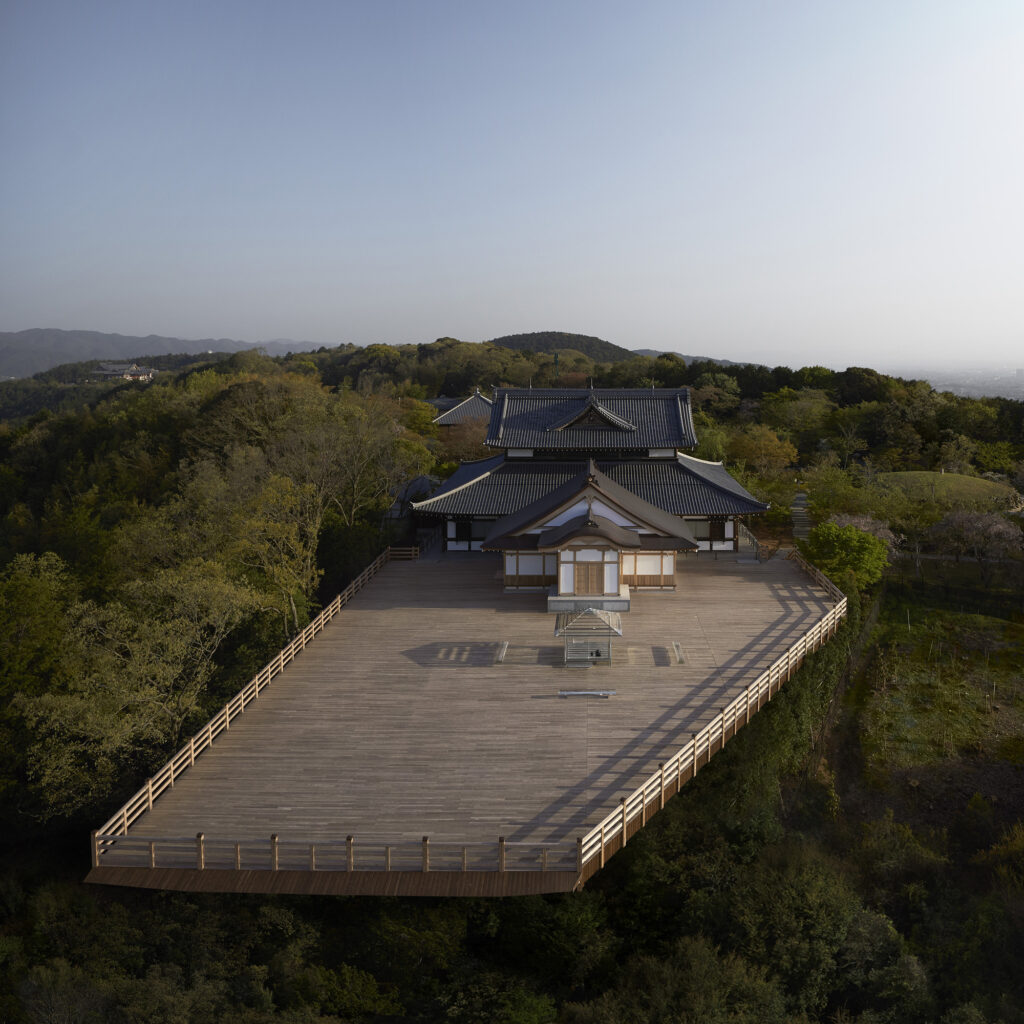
(801, 519)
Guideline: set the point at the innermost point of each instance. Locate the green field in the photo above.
(951, 489)
(943, 687)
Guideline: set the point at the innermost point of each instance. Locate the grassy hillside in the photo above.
(552, 341)
(951, 489)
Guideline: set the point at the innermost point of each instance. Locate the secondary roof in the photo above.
(595, 419)
(683, 486)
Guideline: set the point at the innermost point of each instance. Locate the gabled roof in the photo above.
(475, 408)
(589, 621)
(592, 481)
(595, 419)
(683, 486)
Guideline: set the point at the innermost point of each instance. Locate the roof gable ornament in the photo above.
(593, 414)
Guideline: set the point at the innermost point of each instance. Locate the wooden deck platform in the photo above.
(398, 722)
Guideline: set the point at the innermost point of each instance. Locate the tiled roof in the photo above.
(475, 408)
(683, 486)
(589, 478)
(593, 420)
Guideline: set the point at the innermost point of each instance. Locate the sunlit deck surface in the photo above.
(397, 723)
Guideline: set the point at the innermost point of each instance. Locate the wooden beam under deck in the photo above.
(341, 883)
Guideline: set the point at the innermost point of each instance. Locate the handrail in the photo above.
(611, 833)
(746, 534)
(163, 780)
(587, 855)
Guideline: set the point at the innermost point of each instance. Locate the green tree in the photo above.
(760, 448)
(846, 553)
(134, 672)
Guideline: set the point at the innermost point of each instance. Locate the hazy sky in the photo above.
(799, 182)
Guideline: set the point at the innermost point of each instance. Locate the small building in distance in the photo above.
(591, 493)
(475, 409)
(126, 371)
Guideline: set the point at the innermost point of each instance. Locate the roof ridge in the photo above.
(455, 490)
(716, 484)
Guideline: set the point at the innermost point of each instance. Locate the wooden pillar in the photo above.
(238, 856)
(152, 854)
(387, 858)
(94, 844)
(149, 794)
(721, 741)
(602, 846)
(544, 858)
(661, 773)
(693, 769)
(746, 711)
(227, 716)
(579, 854)
(191, 751)
(465, 860)
(124, 821)
(200, 851)
(273, 852)
(350, 853)
(426, 853)
(622, 804)
(501, 853)
(312, 856)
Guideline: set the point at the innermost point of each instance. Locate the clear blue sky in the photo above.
(799, 182)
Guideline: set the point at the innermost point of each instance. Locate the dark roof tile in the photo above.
(619, 418)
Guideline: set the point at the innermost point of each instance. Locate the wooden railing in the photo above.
(746, 536)
(818, 576)
(163, 780)
(611, 834)
(111, 845)
(275, 854)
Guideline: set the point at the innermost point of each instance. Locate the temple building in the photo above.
(591, 494)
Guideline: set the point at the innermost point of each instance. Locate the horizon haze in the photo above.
(793, 184)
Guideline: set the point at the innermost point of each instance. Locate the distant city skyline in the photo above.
(787, 184)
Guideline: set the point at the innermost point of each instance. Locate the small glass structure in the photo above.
(588, 635)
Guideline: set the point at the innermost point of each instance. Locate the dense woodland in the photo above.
(856, 854)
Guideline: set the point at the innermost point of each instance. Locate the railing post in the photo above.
(350, 854)
(501, 853)
(721, 740)
(200, 851)
(227, 715)
(622, 804)
(191, 751)
(124, 820)
(544, 858)
(312, 856)
(94, 844)
(238, 856)
(579, 855)
(274, 860)
(387, 858)
(602, 846)
(152, 854)
(426, 853)
(693, 769)
(149, 794)
(661, 772)
(465, 862)
(746, 715)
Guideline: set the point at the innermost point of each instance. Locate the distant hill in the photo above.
(23, 353)
(690, 359)
(550, 341)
